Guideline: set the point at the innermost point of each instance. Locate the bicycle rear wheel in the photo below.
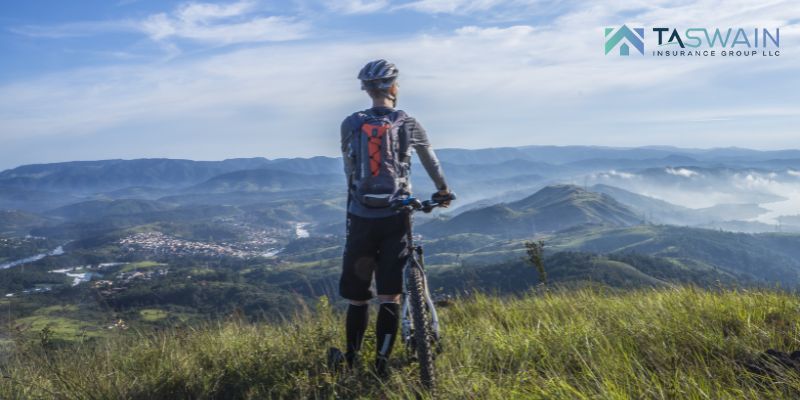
(423, 336)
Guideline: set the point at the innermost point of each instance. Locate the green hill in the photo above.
(577, 269)
(19, 222)
(761, 259)
(99, 209)
(648, 344)
(263, 180)
(552, 208)
(772, 258)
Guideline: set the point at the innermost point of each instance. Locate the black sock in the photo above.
(355, 326)
(386, 328)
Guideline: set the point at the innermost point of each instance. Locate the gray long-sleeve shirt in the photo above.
(418, 141)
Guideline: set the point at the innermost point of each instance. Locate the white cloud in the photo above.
(686, 173)
(356, 6)
(263, 29)
(75, 29)
(617, 174)
(451, 6)
(216, 24)
(201, 22)
(754, 180)
(204, 12)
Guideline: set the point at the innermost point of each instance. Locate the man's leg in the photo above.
(389, 283)
(358, 264)
(386, 330)
(355, 327)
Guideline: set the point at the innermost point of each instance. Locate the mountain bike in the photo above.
(420, 323)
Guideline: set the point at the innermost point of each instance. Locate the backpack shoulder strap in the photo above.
(404, 139)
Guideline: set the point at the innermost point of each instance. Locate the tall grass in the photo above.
(583, 344)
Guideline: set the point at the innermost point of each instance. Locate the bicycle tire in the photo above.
(422, 330)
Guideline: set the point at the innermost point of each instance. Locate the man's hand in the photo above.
(442, 197)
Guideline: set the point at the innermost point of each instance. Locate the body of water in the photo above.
(55, 252)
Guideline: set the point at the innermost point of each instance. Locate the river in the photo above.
(55, 252)
(300, 230)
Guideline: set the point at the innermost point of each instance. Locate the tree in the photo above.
(535, 252)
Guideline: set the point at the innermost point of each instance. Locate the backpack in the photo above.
(379, 150)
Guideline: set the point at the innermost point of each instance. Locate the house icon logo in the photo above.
(623, 38)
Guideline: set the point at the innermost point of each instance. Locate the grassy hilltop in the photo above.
(660, 344)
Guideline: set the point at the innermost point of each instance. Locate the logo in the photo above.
(696, 42)
(634, 37)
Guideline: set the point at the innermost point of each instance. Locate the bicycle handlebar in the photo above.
(412, 203)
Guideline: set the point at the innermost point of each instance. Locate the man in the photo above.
(376, 148)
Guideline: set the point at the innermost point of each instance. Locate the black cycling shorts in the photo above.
(374, 246)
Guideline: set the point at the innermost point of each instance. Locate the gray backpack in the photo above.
(379, 150)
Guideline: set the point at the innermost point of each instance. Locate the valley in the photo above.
(89, 247)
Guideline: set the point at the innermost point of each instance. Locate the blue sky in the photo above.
(213, 80)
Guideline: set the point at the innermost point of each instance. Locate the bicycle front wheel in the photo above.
(423, 336)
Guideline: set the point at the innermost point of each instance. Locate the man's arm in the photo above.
(419, 141)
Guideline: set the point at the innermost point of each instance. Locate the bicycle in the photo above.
(420, 322)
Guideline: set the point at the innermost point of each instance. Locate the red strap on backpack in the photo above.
(375, 134)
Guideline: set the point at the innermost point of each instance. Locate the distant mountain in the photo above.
(572, 154)
(12, 198)
(160, 173)
(97, 209)
(314, 165)
(730, 153)
(500, 170)
(137, 192)
(481, 177)
(264, 180)
(106, 175)
(547, 154)
(627, 163)
(550, 209)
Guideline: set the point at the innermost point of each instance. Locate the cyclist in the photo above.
(376, 148)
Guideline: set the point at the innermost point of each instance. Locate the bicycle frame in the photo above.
(415, 260)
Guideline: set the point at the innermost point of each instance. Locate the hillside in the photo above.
(115, 174)
(578, 269)
(662, 212)
(769, 258)
(263, 180)
(98, 209)
(650, 344)
(552, 208)
(651, 208)
(15, 221)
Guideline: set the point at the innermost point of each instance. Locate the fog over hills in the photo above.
(743, 188)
